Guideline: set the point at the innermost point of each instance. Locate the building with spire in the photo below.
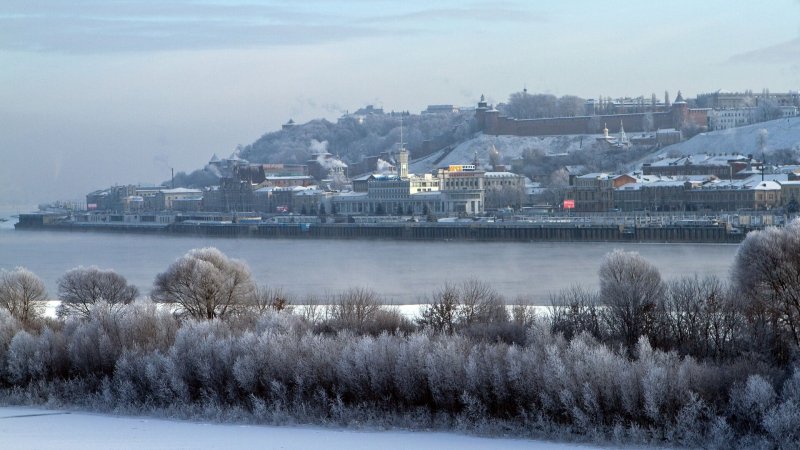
(402, 156)
(402, 163)
(622, 141)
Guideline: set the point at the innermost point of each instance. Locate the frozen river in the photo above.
(403, 272)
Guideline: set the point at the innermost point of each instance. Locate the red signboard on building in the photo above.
(569, 204)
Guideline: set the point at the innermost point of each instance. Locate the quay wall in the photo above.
(429, 231)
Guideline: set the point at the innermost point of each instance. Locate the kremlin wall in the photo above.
(679, 116)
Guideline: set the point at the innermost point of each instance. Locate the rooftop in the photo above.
(181, 190)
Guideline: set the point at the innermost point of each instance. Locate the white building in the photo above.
(722, 119)
(455, 190)
(166, 198)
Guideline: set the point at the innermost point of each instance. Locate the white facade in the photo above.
(722, 119)
(166, 197)
(458, 192)
(731, 118)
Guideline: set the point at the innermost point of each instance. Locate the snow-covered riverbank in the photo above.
(34, 428)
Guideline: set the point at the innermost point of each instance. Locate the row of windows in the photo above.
(475, 184)
(389, 207)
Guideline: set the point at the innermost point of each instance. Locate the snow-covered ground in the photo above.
(782, 134)
(30, 428)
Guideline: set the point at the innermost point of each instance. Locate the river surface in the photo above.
(402, 272)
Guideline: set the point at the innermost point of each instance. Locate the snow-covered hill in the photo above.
(510, 147)
(782, 134)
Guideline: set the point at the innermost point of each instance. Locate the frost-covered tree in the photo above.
(205, 284)
(36, 357)
(480, 303)
(647, 122)
(631, 291)
(353, 308)
(10, 326)
(766, 272)
(762, 138)
(767, 109)
(82, 287)
(522, 105)
(22, 294)
(455, 307)
(574, 311)
(570, 106)
(441, 313)
(699, 318)
(266, 298)
(505, 196)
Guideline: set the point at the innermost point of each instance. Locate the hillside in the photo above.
(782, 135)
(437, 140)
(352, 138)
(509, 148)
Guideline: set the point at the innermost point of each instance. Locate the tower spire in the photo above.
(402, 156)
(401, 132)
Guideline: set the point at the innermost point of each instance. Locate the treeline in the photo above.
(522, 105)
(691, 362)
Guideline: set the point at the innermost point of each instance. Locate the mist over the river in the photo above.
(402, 272)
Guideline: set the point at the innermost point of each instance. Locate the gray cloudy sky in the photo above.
(98, 92)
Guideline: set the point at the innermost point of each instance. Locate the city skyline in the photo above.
(97, 92)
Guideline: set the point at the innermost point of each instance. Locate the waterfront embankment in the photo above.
(479, 231)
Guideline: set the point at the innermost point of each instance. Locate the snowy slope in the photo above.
(509, 147)
(782, 134)
(29, 428)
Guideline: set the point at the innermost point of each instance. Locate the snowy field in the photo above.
(31, 428)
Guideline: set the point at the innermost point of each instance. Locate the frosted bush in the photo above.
(782, 422)
(9, 327)
(35, 357)
(409, 377)
(444, 367)
(93, 345)
(750, 402)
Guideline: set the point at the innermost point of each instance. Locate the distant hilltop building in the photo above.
(441, 109)
(359, 115)
(722, 119)
(227, 166)
(289, 125)
(677, 116)
(368, 110)
(736, 100)
(736, 109)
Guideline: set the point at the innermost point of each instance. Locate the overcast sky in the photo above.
(98, 92)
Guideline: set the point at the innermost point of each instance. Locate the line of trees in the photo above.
(522, 105)
(693, 361)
